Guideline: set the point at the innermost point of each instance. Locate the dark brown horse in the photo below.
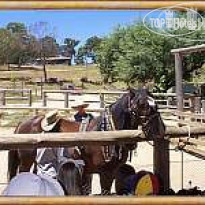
(131, 110)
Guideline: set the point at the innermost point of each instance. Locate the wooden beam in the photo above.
(194, 141)
(161, 162)
(105, 92)
(195, 152)
(102, 200)
(175, 132)
(191, 49)
(190, 148)
(106, 5)
(15, 90)
(22, 141)
(48, 108)
(178, 78)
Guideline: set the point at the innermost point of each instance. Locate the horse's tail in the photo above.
(13, 163)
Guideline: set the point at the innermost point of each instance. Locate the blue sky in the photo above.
(75, 24)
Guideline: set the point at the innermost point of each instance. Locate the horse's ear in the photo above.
(132, 92)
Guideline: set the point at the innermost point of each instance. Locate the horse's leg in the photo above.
(106, 180)
(27, 158)
(108, 171)
(87, 183)
(13, 163)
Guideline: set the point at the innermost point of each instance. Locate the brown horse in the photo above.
(93, 156)
(22, 160)
(131, 110)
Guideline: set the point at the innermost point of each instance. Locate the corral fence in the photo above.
(16, 95)
(104, 98)
(22, 141)
(165, 100)
(160, 154)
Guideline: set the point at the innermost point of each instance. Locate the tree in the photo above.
(47, 45)
(89, 49)
(108, 53)
(134, 53)
(16, 27)
(70, 47)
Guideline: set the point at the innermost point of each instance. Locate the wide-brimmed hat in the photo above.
(50, 120)
(29, 184)
(79, 103)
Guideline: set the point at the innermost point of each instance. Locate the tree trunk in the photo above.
(44, 68)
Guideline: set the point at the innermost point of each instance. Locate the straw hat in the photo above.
(79, 103)
(50, 120)
(29, 184)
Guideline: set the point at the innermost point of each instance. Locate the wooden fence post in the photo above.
(30, 98)
(44, 99)
(161, 162)
(197, 104)
(41, 85)
(66, 105)
(3, 97)
(102, 100)
(22, 88)
(178, 77)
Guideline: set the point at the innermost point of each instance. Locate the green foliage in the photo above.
(89, 49)
(16, 27)
(134, 54)
(70, 45)
(49, 46)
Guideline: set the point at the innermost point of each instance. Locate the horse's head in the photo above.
(143, 111)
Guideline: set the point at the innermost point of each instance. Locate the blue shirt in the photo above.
(79, 117)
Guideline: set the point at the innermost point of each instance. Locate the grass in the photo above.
(62, 72)
(13, 118)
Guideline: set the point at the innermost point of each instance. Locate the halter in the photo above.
(134, 113)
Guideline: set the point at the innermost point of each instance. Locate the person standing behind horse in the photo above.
(81, 114)
(84, 118)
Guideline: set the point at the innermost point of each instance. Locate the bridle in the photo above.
(145, 120)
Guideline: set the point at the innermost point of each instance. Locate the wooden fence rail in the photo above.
(21, 141)
(102, 200)
(36, 109)
(102, 94)
(160, 151)
(21, 95)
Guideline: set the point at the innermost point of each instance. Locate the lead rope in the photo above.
(181, 146)
(104, 126)
(86, 188)
(82, 128)
(131, 152)
(39, 155)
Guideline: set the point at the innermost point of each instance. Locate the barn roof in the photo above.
(55, 58)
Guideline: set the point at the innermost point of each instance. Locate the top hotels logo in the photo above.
(166, 21)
